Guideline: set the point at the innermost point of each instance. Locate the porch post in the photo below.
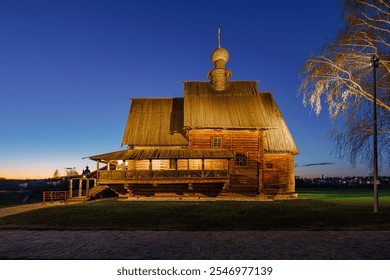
(70, 188)
(87, 188)
(150, 168)
(97, 169)
(80, 187)
(226, 185)
(202, 168)
(176, 168)
(124, 169)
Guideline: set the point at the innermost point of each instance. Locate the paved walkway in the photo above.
(104, 244)
(301, 245)
(12, 210)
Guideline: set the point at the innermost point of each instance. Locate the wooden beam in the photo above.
(203, 173)
(163, 181)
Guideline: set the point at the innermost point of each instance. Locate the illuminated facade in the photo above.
(222, 139)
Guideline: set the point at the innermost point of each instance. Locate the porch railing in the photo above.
(161, 174)
(50, 196)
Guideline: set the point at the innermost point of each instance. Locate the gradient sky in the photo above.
(67, 68)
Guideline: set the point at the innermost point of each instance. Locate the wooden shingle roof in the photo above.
(240, 106)
(162, 121)
(155, 122)
(144, 154)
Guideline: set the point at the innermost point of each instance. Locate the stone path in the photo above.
(280, 245)
(116, 245)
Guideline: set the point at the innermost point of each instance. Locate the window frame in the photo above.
(240, 159)
(218, 141)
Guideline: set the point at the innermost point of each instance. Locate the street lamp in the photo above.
(375, 64)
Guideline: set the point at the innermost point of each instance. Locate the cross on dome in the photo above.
(219, 56)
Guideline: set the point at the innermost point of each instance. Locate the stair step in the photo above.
(97, 189)
(77, 199)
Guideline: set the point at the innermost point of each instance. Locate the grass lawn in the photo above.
(315, 211)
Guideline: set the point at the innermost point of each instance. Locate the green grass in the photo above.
(315, 211)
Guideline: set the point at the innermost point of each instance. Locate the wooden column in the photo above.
(226, 185)
(87, 188)
(80, 187)
(124, 169)
(97, 170)
(176, 168)
(150, 168)
(70, 188)
(203, 173)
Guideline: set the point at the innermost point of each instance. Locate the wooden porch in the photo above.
(162, 176)
(169, 170)
(165, 165)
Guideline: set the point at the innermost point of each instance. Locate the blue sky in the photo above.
(68, 67)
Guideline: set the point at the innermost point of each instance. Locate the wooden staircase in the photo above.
(96, 190)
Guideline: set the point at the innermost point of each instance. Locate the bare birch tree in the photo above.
(342, 77)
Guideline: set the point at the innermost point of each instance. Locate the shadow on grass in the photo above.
(312, 213)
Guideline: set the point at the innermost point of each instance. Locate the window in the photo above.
(241, 159)
(216, 142)
(269, 165)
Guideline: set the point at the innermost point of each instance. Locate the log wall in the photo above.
(244, 179)
(268, 174)
(279, 173)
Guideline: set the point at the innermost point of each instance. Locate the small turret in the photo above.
(219, 75)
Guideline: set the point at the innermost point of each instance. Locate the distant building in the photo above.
(222, 138)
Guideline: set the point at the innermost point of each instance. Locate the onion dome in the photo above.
(219, 57)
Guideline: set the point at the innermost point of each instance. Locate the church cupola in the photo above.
(219, 75)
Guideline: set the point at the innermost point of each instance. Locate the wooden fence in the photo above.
(50, 196)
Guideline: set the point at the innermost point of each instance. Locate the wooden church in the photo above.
(222, 139)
